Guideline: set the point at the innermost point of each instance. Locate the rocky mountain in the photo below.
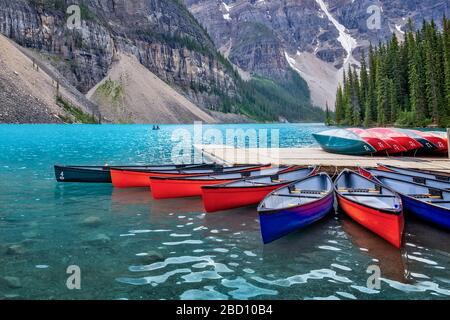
(165, 38)
(162, 35)
(317, 38)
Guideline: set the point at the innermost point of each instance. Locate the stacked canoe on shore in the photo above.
(290, 197)
(383, 141)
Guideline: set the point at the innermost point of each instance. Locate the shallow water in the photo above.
(139, 248)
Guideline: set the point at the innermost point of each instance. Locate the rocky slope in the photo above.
(161, 34)
(28, 91)
(130, 93)
(266, 37)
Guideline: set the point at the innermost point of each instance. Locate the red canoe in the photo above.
(180, 187)
(372, 205)
(251, 191)
(403, 139)
(141, 178)
(440, 141)
(379, 144)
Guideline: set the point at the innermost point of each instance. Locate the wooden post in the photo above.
(448, 141)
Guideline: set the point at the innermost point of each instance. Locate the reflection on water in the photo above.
(130, 246)
(392, 261)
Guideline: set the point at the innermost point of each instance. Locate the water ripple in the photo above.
(303, 278)
(245, 290)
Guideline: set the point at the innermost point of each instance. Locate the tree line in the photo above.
(400, 83)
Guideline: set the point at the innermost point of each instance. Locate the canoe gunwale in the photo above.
(275, 211)
(266, 211)
(395, 212)
(200, 176)
(445, 177)
(250, 168)
(369, 170)
(419, 185)
(281, 184)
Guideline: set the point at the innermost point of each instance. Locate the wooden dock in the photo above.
(316, 156)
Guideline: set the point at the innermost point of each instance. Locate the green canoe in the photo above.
(342, 141)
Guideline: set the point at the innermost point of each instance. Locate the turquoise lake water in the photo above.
(138, 248)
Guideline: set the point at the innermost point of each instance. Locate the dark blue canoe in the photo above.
(432, 183)
(429, 204)
(343, 141)
(102, 174)
(295, 206)
(418, 173)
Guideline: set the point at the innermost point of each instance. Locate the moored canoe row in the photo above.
(382, 141)
(102, 174)
(293, 197)
(139, 178)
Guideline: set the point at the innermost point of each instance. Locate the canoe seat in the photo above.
(298, 196)
(360, 190)
(297, 191)
(376, 195)
(424, 196)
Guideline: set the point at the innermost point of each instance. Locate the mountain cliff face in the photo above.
(317, 38)
(161, 34)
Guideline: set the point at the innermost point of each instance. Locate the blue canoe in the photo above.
(342, 141)
(295, 206)
(429, 204)
(432, 183)
(418, 173)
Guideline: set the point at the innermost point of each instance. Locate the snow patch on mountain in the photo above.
(347, 41)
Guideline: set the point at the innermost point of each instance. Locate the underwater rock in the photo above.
(150, 257)
(30, 234)
(99, 239)
(11, 297)
(15, 249)
(92, 221)
(11, 282)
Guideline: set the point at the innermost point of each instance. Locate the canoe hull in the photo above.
(180, 188)
(344, 146)
(277, 224)
(376, 142)
(141, 179)
(221, 199)
(404, 140)
(429, 213)
(388, 226)
(73, 174)
(136, 179)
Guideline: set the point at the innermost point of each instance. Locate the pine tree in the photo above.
(381, 84)
(327, 115)
(406, 83)
(339, 110)
(364, 86)
(371, 102)
(355, 102)
(431, 83)
(446, 52)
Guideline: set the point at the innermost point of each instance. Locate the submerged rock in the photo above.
(11, 297)
(150, 257)
(92, 221)
(15, 249)
(11, 282)
(99, 239)
(30, 234)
